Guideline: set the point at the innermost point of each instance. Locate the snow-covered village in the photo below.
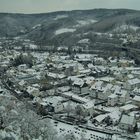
(72, 96)
(70, 70)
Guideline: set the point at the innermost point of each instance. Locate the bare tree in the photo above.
(69, 108)
(80, 112)
(26, 124)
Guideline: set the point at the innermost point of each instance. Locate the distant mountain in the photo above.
(67, 27)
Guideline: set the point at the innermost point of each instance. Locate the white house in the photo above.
(136, 74)
(55, 76)
(33, 91)
(136, 91)
(138, 124)
(22, 67)
(127, 122)
(125, 63)
(53, 104)
(58, 107)
(51, 92)
(80, 87)
(22, 84)
(136, 101)
(112, 99)
(113, 62)
(93, 93)
(89, 107)
(99, 61)
(95, 88)
(123, 96)
(127, 108)
(118, 97)
(133, 83)
(104, 92)
(100, 90)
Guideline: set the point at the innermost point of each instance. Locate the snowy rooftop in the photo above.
(127, 119)
(64, 30)
(134, 81)
(74, 96)
(136, 98)
(52, 100)
(128, 107)
(89, 104)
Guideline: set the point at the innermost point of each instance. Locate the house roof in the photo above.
(32, 89)
(137, 90)
(127, 120)
(84, 71)
(107, 79)
(116, 88)
(54, 75)
(107, 87)
(22, 82)
(89, 104)
(97, 84)
(136, 72)
(90, 65)
(89, 79)
(130, 76)
(115, 115)
(128, 107)
(136, 98)
(113, 96)
(74, 96)
(80, 83)
(52, 100)
(121, 92)
(134, 81)
(100, 118)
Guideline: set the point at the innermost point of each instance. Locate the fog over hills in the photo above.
(67, 27)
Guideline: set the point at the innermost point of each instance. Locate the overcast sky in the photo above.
(41, 6)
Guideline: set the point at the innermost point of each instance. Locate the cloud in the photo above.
(38, 6)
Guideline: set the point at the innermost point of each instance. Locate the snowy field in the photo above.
(66, 129)
(64, 30)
